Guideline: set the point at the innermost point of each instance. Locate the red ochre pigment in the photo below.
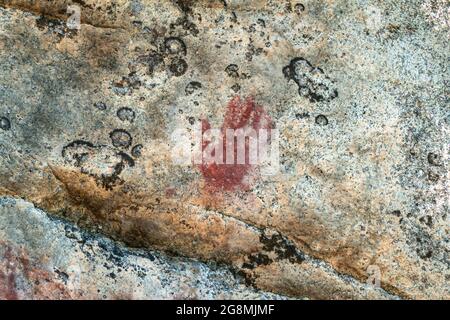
(8, 278)
(240, 114)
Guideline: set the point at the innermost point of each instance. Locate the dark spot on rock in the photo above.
(252, 51)
(236, 87)
(153, 60)
(174, 45)
(5, 124)
(137, 151)
(120, 138)
(191, 120)
(192, 86)
(77, 143)
(103, 163)
(287, 72)
(427, 220)
(126, 158)
(126, 114)
(282, 247)
(433, 176)
(433, 159)
(259, 259)
(233, 17)
(288, 7)
(299, 8)
(276, 246)
(396, 213)
(247, 277)
(62, 275)
(312, 82)
(425, 255)
(186, 24)
(184, 5)
(232, 71)
(321, 120)
(55, 26)
(302, 115)
(83, 4)
(178, 67)
(100, 106)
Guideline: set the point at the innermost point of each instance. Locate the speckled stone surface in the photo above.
(46, 258)
(358, 91)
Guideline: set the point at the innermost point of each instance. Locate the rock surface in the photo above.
(358, 91)
(45, 258)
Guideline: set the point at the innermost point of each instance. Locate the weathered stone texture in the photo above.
(359, 91)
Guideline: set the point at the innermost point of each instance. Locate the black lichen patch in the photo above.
(396, 213)
(302, 115)
(103, 163)
(283, 248)
(259, 259)
(56, 27)
(100, 106)
(299, 8)
(275, 248)
(232, 70)
(186, 25)
(427, 220)
(252, 51)
(287, 72)
(184, 5)
(312, 81)
(5, 124)
(178, 67)
(153, 60)
(236, 87)
(433, 176)
(174, 45)
(126, 114)
(434, 159)
(167, 55)
(321, 120)
(192, 86)
(137, 151)
(421, 241)
(424, 248)
(120, 138)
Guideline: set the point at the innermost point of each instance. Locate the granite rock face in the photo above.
(46, 258)
(357, 90)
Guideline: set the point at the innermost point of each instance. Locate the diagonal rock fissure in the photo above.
(80, 264)
(302, 255)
